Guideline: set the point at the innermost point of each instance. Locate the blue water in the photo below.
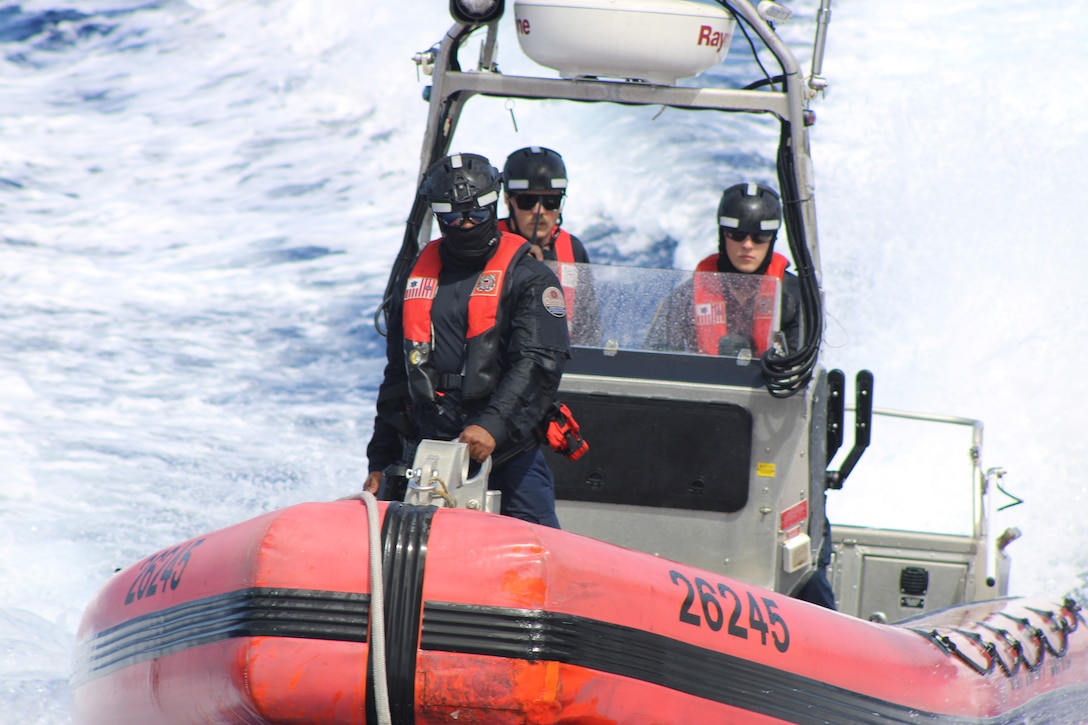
(201, 201)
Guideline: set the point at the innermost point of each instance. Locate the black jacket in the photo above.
(532, 352)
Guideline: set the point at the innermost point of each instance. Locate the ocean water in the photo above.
(201, 200)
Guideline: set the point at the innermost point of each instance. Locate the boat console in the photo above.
(722, 461)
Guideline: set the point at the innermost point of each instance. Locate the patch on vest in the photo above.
(488, 284)
(553, 302)
(420, 288)
(710, 313)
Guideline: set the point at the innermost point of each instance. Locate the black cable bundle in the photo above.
(785, 374)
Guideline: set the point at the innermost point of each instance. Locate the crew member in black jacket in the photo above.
(535, 181)
(476, 344)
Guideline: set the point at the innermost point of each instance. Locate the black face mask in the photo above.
(725, 266)
(469, 247)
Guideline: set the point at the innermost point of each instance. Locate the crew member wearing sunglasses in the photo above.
(535, 181)
(732, 313)
(476, 345)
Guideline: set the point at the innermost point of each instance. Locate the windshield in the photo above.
(613, 308)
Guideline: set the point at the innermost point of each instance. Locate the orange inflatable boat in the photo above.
(489, 619)
(364, 612)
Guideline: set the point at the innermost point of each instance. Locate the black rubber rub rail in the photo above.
(257, 612)
(535, 635)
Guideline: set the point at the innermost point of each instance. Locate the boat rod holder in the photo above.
(823, 17)
(863, 423)
(487, 62)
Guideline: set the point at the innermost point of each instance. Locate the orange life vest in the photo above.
(481, 361)
(564, 248)
(710, 315)
(564, 254)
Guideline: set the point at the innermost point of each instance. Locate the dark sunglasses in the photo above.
(550, 202)
(455, 219)
(757, 237)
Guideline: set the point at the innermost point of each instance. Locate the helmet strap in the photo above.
(514, 227)
(536, 225)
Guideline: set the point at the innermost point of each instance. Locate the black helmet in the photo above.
(750, 207)
(460, 182)
(534, 169)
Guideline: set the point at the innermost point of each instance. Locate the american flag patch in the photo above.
(712, 313)
(420, 288)
(568, 276)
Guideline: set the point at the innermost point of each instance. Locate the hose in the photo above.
(377, 612)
